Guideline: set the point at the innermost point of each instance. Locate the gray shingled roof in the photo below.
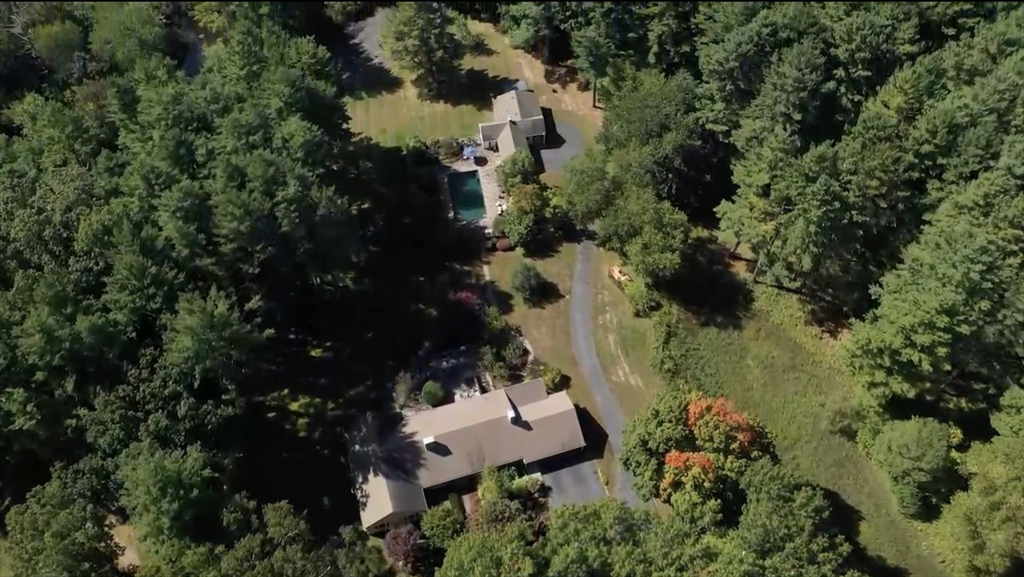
(471, 434)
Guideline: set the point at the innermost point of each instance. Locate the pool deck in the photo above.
(488, 181)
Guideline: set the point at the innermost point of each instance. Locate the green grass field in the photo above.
(785, 374)
(393, 117)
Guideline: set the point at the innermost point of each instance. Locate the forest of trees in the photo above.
(205, 278)
(202, 280)
(868, 156)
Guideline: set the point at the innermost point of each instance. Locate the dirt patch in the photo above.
(606, 320)
(125, 537)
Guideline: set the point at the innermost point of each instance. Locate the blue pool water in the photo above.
(467, 195)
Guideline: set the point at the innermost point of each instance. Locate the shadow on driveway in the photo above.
(573, 477)
(564, 142)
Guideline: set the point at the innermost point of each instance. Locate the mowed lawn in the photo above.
(782, 372)
(393, 117)
(547, 327)
(623, 341)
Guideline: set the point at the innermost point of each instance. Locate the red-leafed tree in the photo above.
(684, 439)
(694, 469)
(719, 427)
(404, 546)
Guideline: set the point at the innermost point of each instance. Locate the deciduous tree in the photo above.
(982, 528)
(486, 553)
(59, 531)
(915, 455)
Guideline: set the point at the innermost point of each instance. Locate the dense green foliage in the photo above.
(206, 280)
(426, 40)
(432, 393)
(779, 533)
(867, 155)
(915, 455)
(59, 531)
(983, 527)
(686, 445)
(520, 168)
(189, 264)
(441, 525)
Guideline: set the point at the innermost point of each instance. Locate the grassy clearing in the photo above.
(393, 117)
(623, 342)
(783, 372)
(786, 375)
(547, 327)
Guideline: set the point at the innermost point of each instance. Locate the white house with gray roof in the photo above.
(518, 123)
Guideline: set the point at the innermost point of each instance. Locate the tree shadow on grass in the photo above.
(339, 342)
(361, 75)
(846, 520)
(547, 294)
(476, 45)
(707, 287)
(471, 87)
(563, 75)
(499, 297)
(544, 245)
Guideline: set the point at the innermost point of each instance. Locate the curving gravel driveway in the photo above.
(582, 328)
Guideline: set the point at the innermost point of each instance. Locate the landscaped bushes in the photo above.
(528, 282)
(505, 499)
(497, 513)
(404, 547)
(495, 483)
(554, 379)
(498, 226)
(432, 394)
(520, 228)
(448, 149)
(503, 352)
(526, 486)
(441, 525)
(642, 300)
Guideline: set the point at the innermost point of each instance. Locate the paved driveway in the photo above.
(571, 144)
(573, 483)
(582, 328)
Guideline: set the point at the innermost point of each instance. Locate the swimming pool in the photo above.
(467, 195)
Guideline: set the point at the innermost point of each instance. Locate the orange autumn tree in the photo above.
(690, 440)
(717, 426)
(696, 470)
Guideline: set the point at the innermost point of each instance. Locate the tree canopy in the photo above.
(176, 253)
(207, 280)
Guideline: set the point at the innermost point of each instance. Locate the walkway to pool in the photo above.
(488, 181)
